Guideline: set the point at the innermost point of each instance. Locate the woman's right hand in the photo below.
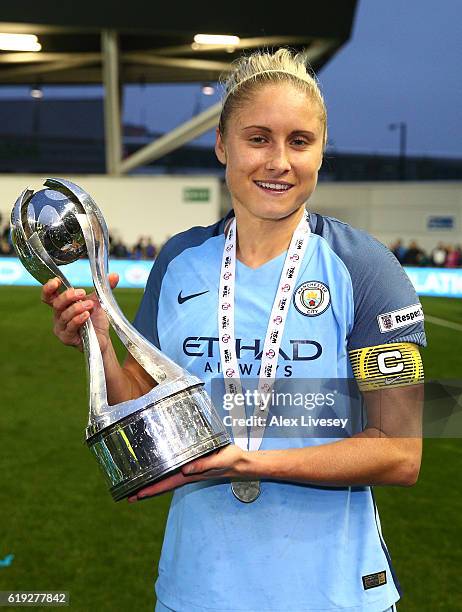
(72, 308)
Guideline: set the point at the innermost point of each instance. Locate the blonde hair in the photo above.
(257, 69)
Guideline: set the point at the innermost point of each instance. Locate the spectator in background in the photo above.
(5, 233)
(119, 249)
(5, 247)
(438, 255)
(151, 251)
(453, 257)
(414, 256)
(399, 250)
(138, 251)
(459, 250)
(143, 249)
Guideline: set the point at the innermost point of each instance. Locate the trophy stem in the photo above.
(160, 367)
(94, 360)
(95, 372)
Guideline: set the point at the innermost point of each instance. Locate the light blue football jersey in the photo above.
(297, 547)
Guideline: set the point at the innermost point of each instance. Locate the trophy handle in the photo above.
(159, 366)
(42, 267)
(93, 357)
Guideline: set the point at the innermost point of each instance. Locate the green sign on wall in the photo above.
(196, 194)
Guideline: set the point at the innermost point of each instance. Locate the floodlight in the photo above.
(19, 42)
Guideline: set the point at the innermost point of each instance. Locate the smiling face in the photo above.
(272, 149)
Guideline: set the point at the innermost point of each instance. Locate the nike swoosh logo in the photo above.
(182, 299)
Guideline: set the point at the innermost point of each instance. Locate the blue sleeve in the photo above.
(386, 306)
(146, 317)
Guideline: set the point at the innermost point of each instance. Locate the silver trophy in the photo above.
(139, 441)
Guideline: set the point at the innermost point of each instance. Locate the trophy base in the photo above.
(125, 490)
(157, 440)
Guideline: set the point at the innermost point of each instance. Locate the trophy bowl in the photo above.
(139, 441)
(52, 215)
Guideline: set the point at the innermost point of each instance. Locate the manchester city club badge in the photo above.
(312, 298)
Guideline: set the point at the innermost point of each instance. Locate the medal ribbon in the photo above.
(245, 439)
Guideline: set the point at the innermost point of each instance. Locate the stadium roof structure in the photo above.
(153, 42)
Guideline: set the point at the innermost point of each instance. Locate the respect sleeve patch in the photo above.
(388, 321)
(387, 365)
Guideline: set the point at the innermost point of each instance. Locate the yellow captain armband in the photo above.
(387, 365)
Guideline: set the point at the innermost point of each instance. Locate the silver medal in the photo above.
(246, 491)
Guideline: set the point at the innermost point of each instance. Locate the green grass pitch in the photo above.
(66, 533)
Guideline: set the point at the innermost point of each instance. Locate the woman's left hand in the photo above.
(227, 462)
